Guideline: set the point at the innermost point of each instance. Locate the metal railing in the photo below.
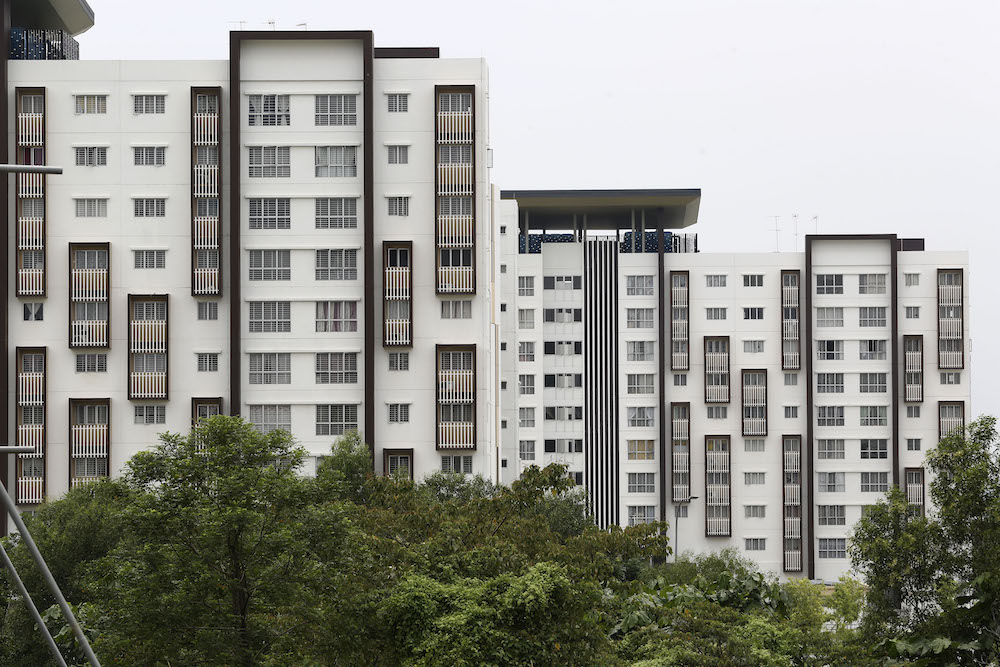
(458, 435)
(206, 281)
(455, 231)
(148, 384)
(455, 279)
(30, 129)
(89, 440)
(31, 388)
(454, 179)
(455, 127)
(206, 180)
(206, 129)
(206, 232)
(90, 285)
(456, 386)
(397, 282)
(30, 233)
(397, 332)
(30, 282)
(31, 185)
(148, 336)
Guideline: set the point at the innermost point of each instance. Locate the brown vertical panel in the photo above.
(386, 246)
(235, 224)
(661, 302)
(73, 403)
(195, 402)
(386, 453)
(687, 283)
(743, 374)
(438, 89)
(217, 92)
(729, 453)
(19, 353)
(73, 247)
(798, 307)
(894, 338)
(438, 349)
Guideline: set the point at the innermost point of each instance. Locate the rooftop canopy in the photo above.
(72, 16)
(605, 209)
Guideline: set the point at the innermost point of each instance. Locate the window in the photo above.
(829, 317)
(562, 315)
(456, 309)
(753, 313)
(753, 478)
(206, 207)
(715, 313)
(753, 280)
(871, 317)
(150, 259)
(951, 378)
(91, 208)
(639, 285)
(871, 283)
(715, 280)
(873, 415)
(639, 350)
(717, 412)
(753, 346)
(791, 411)
(90, 467)
(830, 449)
(454, 154)
(681, 511)
(913, 444)
(641, 450)
(833, 547)
(91, 156)
(791, 379)
(641, 482)
(206, 104)
(829, 383)
(526, 450)
(754, 543)
(399, 361)
(526, 286)
(268, 110)
(143, 104)
(271, 213)
(149, 207)
(832, 515)
(639, 318)
(34, 312)
(88, 104)
(399, 413)
(270, 265)
(398, 206)
(525, 318)
(680, 380)
(336, 213)
(872, 383)
(270, 162)
(149, 156)
(399, 465)
(271, 368)
(830, 350)
(872, 350)
(912, 411)
(149, 362)
(874, 482)
(640, 383)
(336, 316)
(911, 279)
(525, 384)
(399, 154)
(913, 312)
(525, 351)
(267, 418)
(831, 482)
(526, 417)
(336, 419)
(874, 448)
(399, 103)
(336, 161)
(640, 514)
(91, 363)
(753, 445)
(336, 110)
(208, 362)
(32, 259)
(337, 264)
(150, 414)
(460, 465)
(270, 316)
(754, 511)
(829, 283)
(829, 415)
(640, 417)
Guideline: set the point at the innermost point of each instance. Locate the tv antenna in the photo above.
(241, 23)
(273, 23)
(776, 230)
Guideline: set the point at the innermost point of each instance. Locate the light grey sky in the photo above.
(874, 115)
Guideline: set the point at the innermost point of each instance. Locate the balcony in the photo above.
(148, 336)
(789, 295)
(679, 360)
(206, 180)
(30, 185)
(455, 279)
(791, 360)
(30, 490)
(914, 360)
(454, 179)
(793, 561)
(914, 393)
(206, 129)
(716, 362)
(456, 435)
(915, 493)
(30, 129)
(397, 282)
(31, 435)
(793, 527)
(31, 388)
(754, 426)
(949, 424)
(680, 429)
(793, 494)
(206, 281)
(455, 127)
(455, 231)
(206, 232)
(89, 333)
(790, 329)
(679, 330)
(30, 282)
(717, 526)
(679, 297)
(148, 384)
(792, 462)
(79, 481)
(397, 332)
(30, 233)
(949, 328)
(950, 360)
(90, 285)
(456, 387)
(716, 393)
(755, 395)
(681, 486)
(89, 440)
(949, 295)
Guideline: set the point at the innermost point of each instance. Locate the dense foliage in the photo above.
(213, 550)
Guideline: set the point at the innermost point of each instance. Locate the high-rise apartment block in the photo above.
(307, 235)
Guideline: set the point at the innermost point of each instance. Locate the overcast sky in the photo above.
(875, 116)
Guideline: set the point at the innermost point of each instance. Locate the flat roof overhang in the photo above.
(73, 16)
(606, 208)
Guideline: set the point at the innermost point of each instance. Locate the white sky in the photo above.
(874, 115)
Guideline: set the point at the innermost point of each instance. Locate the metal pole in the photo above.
(29, 169)
(49, 580)
(29, 603)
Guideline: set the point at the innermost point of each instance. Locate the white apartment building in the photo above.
(307, 235)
